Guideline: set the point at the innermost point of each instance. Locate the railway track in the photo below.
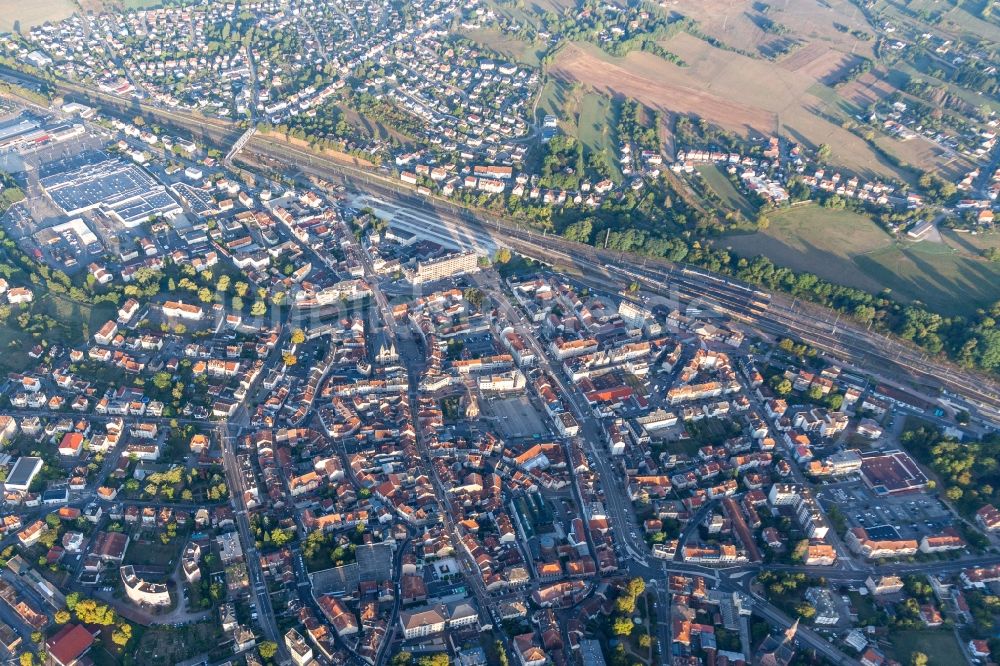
(772, 314)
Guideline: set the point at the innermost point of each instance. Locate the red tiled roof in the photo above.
(70, 643)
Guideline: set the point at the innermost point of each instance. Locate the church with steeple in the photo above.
(777, 649)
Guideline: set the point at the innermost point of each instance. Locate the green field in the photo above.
(552, 98)
(721, 185)
(848, 248)
(78, 321)
(598, 119)
(518, 50)
(590, 116)
(938, 644)
(835, 103)
(973, 245)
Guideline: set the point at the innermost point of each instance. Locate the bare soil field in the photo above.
(742, 94)
(867, 89)
(29, 14)
(803, 57)
(824, 65)
(646, 78)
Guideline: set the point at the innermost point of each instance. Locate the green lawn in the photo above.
(153, 553)
(79, 315)
(721, 185)
(848, 248)
(938, 644)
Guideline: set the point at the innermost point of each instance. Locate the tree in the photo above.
(646, 641)
(122, 635)
(298, 336)
(27, 659)
(89, 611)
(438, 659)
(268, 649)
(918, 659)
(806, 611)
(834, 401)
(71, 600)
(258, 308)
(474, 296)
(622, 626)
(579, 231)
(162, 380)
(403, 658)
(502, 256)
(625, 604)
(824, 152)
(289, 359)
(62, 617)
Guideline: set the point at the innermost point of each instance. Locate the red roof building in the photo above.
(69, 644)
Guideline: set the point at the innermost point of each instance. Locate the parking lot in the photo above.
(912, 515)
(515, 417)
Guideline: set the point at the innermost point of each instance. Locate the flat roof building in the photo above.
(23, 473)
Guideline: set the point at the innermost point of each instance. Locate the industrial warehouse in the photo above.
(98, 181)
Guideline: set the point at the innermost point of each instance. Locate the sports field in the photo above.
(847, 248)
